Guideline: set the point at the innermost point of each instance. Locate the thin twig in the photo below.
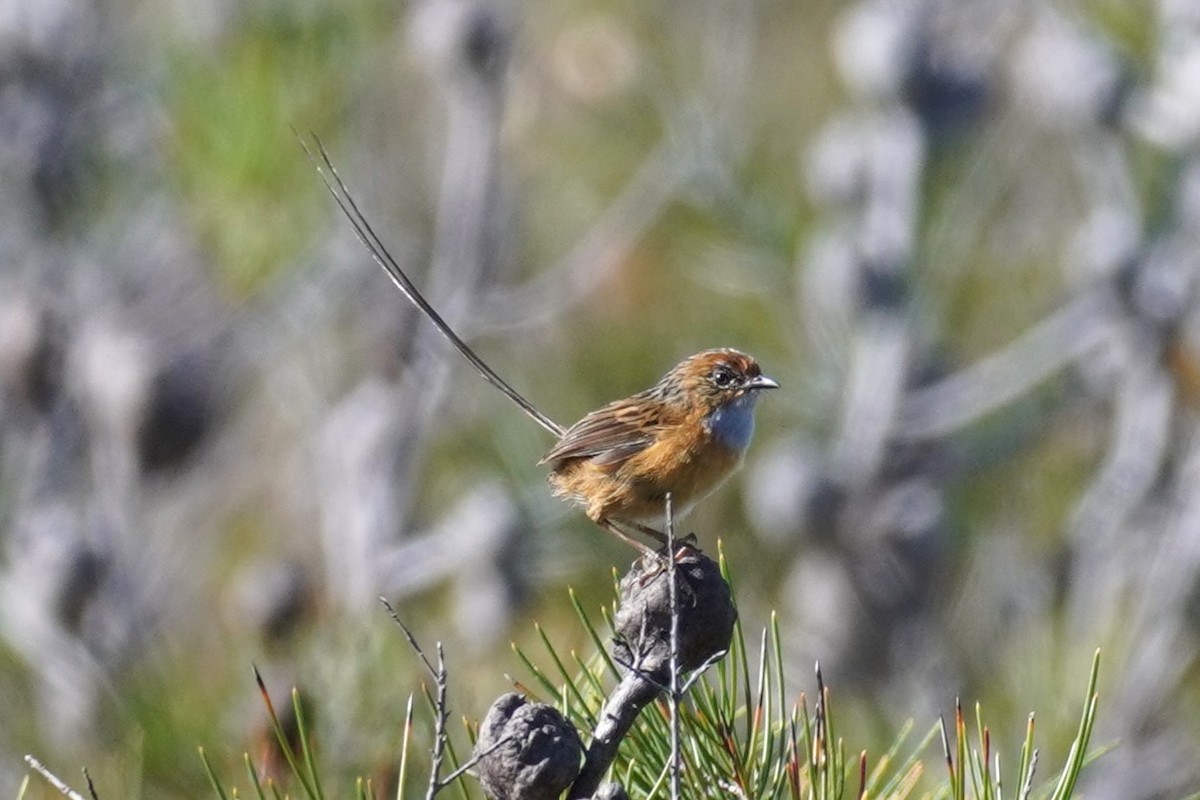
(674, 695)
(698, 673)
(412, 640)
(638, 672)
(441, 712)
(441, 716)
(473, 760)
(52, 779)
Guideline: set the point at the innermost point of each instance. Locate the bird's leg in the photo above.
(653, 533)
(657, 557)
(661, 538)
(612, 528)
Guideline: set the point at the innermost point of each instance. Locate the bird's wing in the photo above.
(611, 434)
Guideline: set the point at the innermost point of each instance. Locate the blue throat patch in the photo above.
(733, 423)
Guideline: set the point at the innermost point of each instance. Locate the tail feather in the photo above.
(379, 252)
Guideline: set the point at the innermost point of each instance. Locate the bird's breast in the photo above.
(688, 458)
(687, 461)
(732, 424)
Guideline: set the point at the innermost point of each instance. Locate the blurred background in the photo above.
(962, 234)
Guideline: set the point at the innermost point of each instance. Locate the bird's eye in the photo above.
(723, 377)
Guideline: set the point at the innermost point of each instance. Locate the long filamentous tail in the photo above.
(366, 234)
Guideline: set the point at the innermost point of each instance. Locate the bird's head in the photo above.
(722, 385)
(714, 379)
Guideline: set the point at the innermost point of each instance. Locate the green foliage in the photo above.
(980, 770)
(742, 736)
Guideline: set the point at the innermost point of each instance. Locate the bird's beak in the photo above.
(761, 382)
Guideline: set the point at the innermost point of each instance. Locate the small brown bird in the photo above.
(682, 437)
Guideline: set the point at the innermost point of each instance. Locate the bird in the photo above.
(622, 463)
(683, 436)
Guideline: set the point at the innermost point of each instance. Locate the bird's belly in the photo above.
(636, 489)
(688, 481)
